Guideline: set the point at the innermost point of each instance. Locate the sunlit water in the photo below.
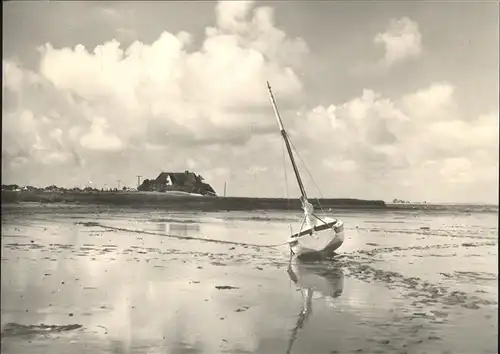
(403, 282)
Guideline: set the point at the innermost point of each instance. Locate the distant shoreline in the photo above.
(180, 201)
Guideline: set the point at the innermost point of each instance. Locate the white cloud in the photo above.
(232, 15)
(253, 170)
(98, 114)
(402, 40)
(457, 170)
(417, 145)
(159, 95)
(13, 76)
(194, 94)
(432, 103)
(99, 139)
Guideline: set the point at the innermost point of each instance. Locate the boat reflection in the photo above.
(325, 279)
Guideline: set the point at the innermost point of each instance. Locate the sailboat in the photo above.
(317, 237)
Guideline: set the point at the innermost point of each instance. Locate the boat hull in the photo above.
(321, 243)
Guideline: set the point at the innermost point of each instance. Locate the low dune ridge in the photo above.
(179, 200)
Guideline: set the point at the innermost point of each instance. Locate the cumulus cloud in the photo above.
(401, 40)
(98, 138)
(156, 95)
(418, 144)
(231, 15)
(194, 94)
(109, 113)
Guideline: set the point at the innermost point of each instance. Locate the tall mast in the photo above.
(287, 143)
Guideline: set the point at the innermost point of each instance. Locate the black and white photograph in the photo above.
(254, 177)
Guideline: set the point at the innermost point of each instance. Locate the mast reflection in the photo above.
(325, 279)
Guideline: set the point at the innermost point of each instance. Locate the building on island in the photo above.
(186, 181)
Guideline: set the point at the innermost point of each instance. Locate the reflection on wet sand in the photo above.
(177, 228)
(326, 279)
(69, 285)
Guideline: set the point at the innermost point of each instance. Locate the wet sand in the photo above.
(84, 279)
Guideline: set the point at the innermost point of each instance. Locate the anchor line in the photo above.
(188, 237)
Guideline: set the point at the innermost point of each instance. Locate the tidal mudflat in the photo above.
(91, 279)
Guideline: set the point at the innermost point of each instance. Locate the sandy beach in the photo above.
(96, 279)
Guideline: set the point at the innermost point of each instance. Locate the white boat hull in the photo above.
(318, 243)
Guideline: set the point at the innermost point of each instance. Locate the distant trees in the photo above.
(145, 186)
(174, 181)
(186, 181)
(9, 187)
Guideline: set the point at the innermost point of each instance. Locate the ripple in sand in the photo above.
(15, 329)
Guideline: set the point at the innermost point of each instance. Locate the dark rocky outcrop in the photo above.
(187, 181)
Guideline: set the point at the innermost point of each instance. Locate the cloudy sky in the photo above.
(382, 99)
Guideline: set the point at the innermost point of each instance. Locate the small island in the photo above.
(169, 191)
(186, 181)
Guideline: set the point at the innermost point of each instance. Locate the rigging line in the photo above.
(286, 178)
(286, 182)
(301, 226)
(307, 170)
(310, 176)
(323, 221)
(284, 167)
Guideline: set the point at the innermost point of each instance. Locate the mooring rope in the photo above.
(94, 224)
